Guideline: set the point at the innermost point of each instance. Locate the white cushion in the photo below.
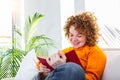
(27, 69)
(112, 69)
(8, 79)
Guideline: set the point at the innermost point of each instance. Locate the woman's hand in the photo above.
(56, 59)
(44, 72)
(43, 68)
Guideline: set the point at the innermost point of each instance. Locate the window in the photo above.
(11, 17)
(107, 13)
(5, 23)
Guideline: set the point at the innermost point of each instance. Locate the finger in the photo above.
(58, 61)
(46, 70)
(43, 66)
(58, 56)
(62, 55)
(53, 60)
(49, 61)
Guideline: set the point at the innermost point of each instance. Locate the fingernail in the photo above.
(60, 56)
(49, 59)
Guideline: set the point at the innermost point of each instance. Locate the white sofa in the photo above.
(111, 72)
(112, 69)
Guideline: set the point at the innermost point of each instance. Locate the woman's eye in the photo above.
(71, 35)
(79, 36)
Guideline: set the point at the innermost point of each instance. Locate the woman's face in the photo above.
(76, 39)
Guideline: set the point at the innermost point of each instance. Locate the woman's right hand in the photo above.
(56, 59)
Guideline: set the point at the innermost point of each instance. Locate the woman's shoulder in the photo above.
(97, 50)
(65, 50)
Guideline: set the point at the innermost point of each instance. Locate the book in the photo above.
(44, 62)
(71, 57)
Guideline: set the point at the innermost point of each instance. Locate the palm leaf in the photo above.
(30, 26)
(11, 63)
(40, 42)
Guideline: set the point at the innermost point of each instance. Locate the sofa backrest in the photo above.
(112, 69)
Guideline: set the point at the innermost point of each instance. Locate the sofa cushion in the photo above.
(27, 69)
(112, 69)
(8, 79)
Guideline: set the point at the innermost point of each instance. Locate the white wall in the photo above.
(79, 6)
(50, 24)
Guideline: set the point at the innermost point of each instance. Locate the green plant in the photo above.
(11, 58)
(10, 62)
(36, 42)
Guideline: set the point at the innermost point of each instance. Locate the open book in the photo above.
(71, 57)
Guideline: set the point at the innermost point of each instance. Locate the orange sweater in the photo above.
(93, 61)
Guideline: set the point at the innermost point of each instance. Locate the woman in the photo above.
(82, 32)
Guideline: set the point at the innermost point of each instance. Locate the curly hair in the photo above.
(85, 23)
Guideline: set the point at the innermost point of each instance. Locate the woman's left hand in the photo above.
(56, 59)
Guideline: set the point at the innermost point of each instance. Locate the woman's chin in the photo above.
(75, 46)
